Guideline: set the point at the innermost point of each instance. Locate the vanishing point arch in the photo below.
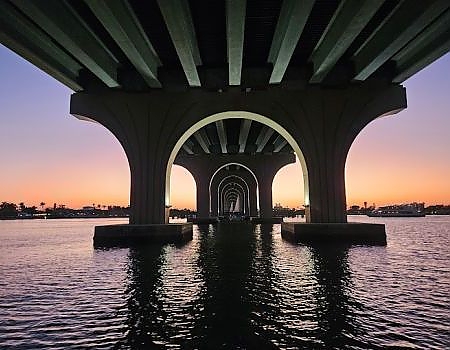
(237, 115)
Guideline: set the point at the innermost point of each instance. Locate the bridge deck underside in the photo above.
(172, 44)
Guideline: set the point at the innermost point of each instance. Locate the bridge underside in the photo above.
(234, 78)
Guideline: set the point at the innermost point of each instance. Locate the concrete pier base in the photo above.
(334, 233)
(124, 235)
(272, 220)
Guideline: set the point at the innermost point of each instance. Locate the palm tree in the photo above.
(42, 205)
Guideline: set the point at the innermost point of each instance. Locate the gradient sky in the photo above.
(48, 155)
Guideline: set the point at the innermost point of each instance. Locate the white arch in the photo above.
(236, 115)
(222, 192)
(245, 167)
(220, 183)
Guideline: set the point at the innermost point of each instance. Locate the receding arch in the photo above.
(223, 189)
(227, 165)
(237, 115)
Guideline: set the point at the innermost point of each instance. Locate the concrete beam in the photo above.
(263, 138)
(292, 20)
(279, 143)
(349, 19)
(235, 39)
(22, 36)
(187, 146)
(178, 20)
(222, 135)
(427, 47)
(67, 28)
(202, 139)
(406, 21)
(243, 134)
(120, 21)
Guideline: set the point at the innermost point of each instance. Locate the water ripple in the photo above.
(232, 287)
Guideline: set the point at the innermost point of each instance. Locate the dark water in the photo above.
(235, 287)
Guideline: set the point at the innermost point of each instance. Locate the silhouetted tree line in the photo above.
(438, 210)
(285, 212)
(21, 211)
(8, 210)
(15, 211)
(182, 213)
(430, 210)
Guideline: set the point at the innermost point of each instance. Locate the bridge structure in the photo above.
(177, 81)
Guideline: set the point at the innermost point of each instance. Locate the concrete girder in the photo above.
(404, 23)
(187, 146)
(279, 143)
(235, 10)
(177, 17)
(243, 134)
(263, 138)
(120, 21)
(292, 20)
(349, 19)
(427, 47)
(23, 37)
(66, 27)
(222, 135)
(202, 140)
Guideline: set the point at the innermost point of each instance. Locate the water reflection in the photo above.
(242, 287)
(230, 288)
(335, 320)
(226, 258)
(145, 319)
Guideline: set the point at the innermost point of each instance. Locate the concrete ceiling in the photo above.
(139, 45)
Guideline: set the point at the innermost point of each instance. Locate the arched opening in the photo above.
(241, 174)
(232, 195)
(237, 115)
(286, 192)
(239, 190)
(183, 195)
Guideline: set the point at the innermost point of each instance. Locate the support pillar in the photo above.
(265, 196)
(321, 124)
(202, 184)
(138, 130)
(332, 120)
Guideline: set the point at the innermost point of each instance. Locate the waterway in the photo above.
(231, 287)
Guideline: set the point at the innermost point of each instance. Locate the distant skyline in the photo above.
(47, 155)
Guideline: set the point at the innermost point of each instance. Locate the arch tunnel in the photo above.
(228, 159)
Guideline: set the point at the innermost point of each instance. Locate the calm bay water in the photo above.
(232, 287)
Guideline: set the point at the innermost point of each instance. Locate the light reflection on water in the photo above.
(234, 286)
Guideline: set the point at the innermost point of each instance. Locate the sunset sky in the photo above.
(48, 155)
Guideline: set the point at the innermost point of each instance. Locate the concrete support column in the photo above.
(147, 192)
(265, 196)
(253, 204)
(139, 131)
(332, 120)
(202, 183)
(327, 189)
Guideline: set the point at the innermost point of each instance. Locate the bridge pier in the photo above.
(320, 124)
